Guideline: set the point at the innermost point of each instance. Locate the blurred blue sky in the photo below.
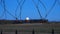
(29, 9)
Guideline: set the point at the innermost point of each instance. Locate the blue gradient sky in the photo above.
(29, 10)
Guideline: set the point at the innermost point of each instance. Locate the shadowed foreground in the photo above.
(34, 28)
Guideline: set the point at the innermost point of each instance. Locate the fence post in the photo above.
(16, 32)
(1, 31)
(52, 31)
(33, 31)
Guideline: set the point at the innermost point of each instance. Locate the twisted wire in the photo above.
(37, 9)
(19, 4)
(42, 4)
(21, 9)
(58, 2)
(17, 8)
(5, 10)
(50, 10)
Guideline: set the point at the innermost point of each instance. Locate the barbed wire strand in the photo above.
(50, 10)
(21, 9)
(19, 4)
(6, 11)
(4, 8)
(58, 2)
(37, 9)
(3, 11)
(42, 4)
(17, 8)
